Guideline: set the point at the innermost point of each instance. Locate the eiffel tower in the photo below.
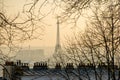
(58, 46)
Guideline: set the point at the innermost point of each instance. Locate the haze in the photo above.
(13, 7)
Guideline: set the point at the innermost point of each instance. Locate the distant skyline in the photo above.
(12, 7)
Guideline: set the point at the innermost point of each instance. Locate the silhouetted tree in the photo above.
(15, 30)
(100, 41)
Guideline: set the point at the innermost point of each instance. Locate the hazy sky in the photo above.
(49, 38)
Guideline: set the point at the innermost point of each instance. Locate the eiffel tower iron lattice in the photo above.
(58, 50)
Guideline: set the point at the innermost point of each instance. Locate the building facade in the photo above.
(41, 71)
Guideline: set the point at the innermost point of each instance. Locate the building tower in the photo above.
(58, 46)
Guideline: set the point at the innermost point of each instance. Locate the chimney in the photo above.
(81, 65)
(40, 66)
(58, 66)
(25, 66)
(69, 66)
